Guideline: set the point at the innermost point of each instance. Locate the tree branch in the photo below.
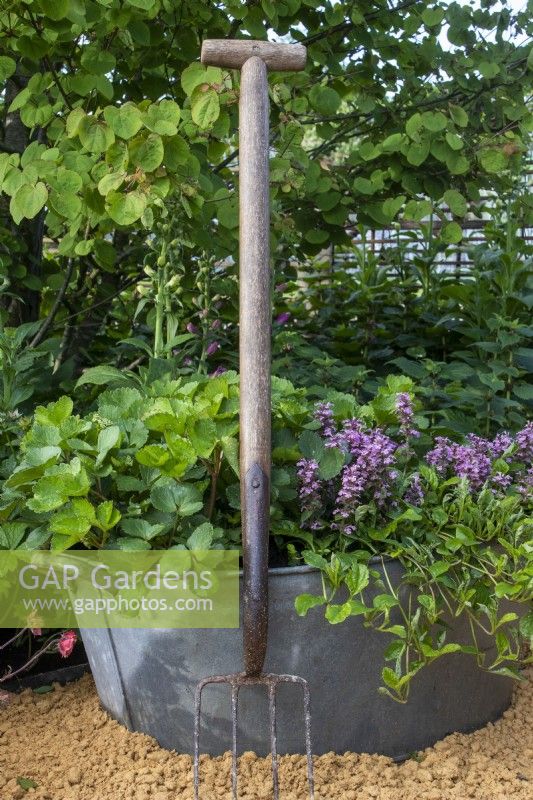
(39, 336)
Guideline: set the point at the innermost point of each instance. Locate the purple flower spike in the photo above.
(191, 327)
(405, 413)
(526, 486)
(472, 465)
(415, 493)
(470, 461)
(220, 370)
(442, 455)
(324, 415)
(524, 441)
(283, 318)
(370, 475)
(500, 482)
(310, 485)
(212, 348)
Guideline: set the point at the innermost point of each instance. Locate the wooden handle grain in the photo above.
(233, 53)
(254, 261)
(254, 353)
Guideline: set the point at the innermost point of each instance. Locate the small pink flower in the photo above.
(191, 327)
(212, 348)
(215, 325)
(66, 643)
(283, 318)
(37, 631)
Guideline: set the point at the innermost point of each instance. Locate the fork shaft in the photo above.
(254, 352)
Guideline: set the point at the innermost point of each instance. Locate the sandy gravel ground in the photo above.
(66, 745)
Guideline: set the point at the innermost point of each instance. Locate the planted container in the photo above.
(146, 680)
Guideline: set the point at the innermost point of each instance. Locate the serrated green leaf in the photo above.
(108, 438)
(107, 516)
(357, 578)
(201, 538)
(304, 602)
(153, 455)
(141, 528)
(336, 614)
(12, 534)
(314, 560)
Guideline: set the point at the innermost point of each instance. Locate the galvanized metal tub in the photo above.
(146, 680)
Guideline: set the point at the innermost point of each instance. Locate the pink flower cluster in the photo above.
(66, 643)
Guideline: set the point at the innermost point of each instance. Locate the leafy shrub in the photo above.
(144, 470)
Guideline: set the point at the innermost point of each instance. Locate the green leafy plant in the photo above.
(149, 468)
(458, 520)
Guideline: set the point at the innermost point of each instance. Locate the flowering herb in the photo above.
(456, 513)
(283, 318)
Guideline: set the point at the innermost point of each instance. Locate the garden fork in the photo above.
(254, 58)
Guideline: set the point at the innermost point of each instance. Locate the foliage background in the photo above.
(118, 159)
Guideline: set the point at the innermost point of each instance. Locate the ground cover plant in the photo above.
(158, 468)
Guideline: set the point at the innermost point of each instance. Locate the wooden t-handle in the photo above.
(255, 313)
(233, 53)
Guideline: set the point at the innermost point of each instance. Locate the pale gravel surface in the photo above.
(74, 751)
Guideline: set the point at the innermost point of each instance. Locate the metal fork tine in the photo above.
(273, 737)
(271, 681)
(234, 709)
(308, 745)
(197, 715)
